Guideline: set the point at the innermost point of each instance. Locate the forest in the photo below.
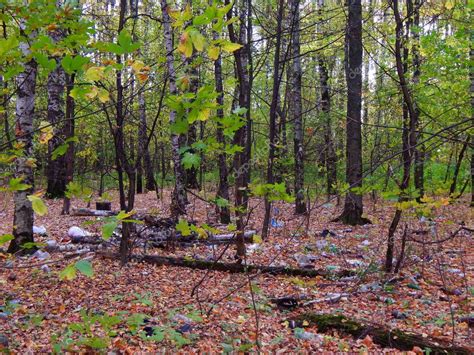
(236, 176)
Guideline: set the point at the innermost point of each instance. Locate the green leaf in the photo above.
(183, 227)
(125, 41)
(38, 205)
(68, 273)
(85, 267)
(158, 335)
(222, 202)
(16, 184)
(108, 229)
(59, 151)
(190, 160)
(201, 20)
(198, 40)
(5, 238)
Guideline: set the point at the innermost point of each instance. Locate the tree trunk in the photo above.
(273, 140)
(144, 159)
(69, 128)
(457, 168)
(179, 199)
(419, 153)
(240, 163)
(223, 189)
(4, 98)
(56, 169)
(409, 126)
(25, 112)
(353, 206)
(295, 107)
(471, 74)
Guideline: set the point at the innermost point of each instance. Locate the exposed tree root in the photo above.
(381, 335)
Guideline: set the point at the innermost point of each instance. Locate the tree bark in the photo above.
(69, 128)
(241, 166)
(25, 115)
(144, 157)
(353, 206)
(295, 107)
(56, 169)
(409, 126)
(419, 152)
(273, 113)
(223, 189)
(179, 199)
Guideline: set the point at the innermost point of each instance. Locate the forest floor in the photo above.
(431, 299)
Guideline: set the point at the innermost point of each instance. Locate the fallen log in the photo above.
(160, 239)
(393, 338)
(234, 267)
(88, 212)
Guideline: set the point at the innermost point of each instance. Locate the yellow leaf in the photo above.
(92, 93)
(185, 46)
(95, 73)
(257, 239)
(203, 115)
(38, 205)
(213, 52)
(46, 132)
(231, 47)
(137, 65)
(103, 95)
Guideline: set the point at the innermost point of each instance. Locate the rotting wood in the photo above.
(88, 212)
(393, 338)
(233, 267)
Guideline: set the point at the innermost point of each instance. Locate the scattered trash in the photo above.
(364, 244)
(45, 268)
(77, 232)
(253, 247)
(326, 232)
(398, 315)
(456, 272)
(374, 286)
(185, 328)
(51, 245)
(40, 230)
(41, 255)
(181, 318)
(4, 341)
(305, 261)
(304, 335)
(3, 315)
(330, 297)
(348, 278)
(354, 262)
(276, 223)
(149, 331)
